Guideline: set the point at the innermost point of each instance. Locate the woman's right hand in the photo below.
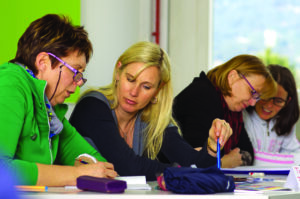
(232, 159)
(99, 169)
(219, 129)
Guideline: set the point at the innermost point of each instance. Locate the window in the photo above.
(269, 29)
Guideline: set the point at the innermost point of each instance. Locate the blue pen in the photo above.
(218, 154)
(82, 161)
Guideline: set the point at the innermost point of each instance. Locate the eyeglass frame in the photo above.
(254, 93)
(76, 72)
(272, 98)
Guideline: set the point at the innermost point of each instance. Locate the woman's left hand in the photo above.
(219, 129)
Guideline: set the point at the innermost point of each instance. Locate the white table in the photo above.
(62, 193)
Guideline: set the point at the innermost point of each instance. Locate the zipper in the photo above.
(265, 140)
(268, 132)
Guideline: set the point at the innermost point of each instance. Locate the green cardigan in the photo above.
(24, 127)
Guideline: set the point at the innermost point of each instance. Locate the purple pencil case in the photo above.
(104, 185)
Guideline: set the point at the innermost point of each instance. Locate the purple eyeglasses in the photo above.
(255, 95)
(77, 75)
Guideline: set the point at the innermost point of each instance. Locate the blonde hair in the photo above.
(157, 115)
(246, 65)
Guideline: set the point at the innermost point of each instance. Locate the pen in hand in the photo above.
(82, 161)
(218, 154)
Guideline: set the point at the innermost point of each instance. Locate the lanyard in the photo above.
(55, 124)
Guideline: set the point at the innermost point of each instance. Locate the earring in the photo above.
(154, 100)
(119, 64)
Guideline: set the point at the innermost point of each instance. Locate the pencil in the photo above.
(218, 154)
(31, 188)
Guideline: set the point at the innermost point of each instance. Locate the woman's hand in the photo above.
(219, 129)
(83, 159)
(99, 169)
(232, 159)
(61, 175)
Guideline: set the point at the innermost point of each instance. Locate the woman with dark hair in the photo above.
(36, 141)
(271, 123)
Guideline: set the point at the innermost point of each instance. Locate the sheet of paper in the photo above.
(133, 179)
(293, 179)
(135, 182)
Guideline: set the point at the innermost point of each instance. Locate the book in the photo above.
(257, 188)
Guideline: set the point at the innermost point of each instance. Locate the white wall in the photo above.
(113, 26)
(189, 40)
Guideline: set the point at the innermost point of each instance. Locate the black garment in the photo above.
(93, 118)
(196, 107)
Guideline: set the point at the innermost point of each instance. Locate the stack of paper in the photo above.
(135, 182)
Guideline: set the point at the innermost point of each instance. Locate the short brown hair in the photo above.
(246, 65)
(55, 34)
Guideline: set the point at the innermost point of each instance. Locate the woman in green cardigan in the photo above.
(36, 140)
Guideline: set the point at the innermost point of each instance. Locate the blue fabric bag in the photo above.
(189, 180)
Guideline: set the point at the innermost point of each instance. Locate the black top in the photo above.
(196, 107)
(93, 119)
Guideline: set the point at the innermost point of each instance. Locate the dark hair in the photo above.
(289, 114)
(55, 34)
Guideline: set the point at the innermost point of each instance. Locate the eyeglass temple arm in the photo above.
(64, 63)
(248, 82)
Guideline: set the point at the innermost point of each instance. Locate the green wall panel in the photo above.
(16, 15)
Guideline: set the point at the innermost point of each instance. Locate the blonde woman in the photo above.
(130, 121)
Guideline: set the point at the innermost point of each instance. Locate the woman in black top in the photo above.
(223, 93)
(130, 121)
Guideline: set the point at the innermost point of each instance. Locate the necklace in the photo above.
(127, 133)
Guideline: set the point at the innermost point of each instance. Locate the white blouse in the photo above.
(269, 148)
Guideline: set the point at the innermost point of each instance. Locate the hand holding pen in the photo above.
(84, 159)
(219, 133)
(90, 166)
